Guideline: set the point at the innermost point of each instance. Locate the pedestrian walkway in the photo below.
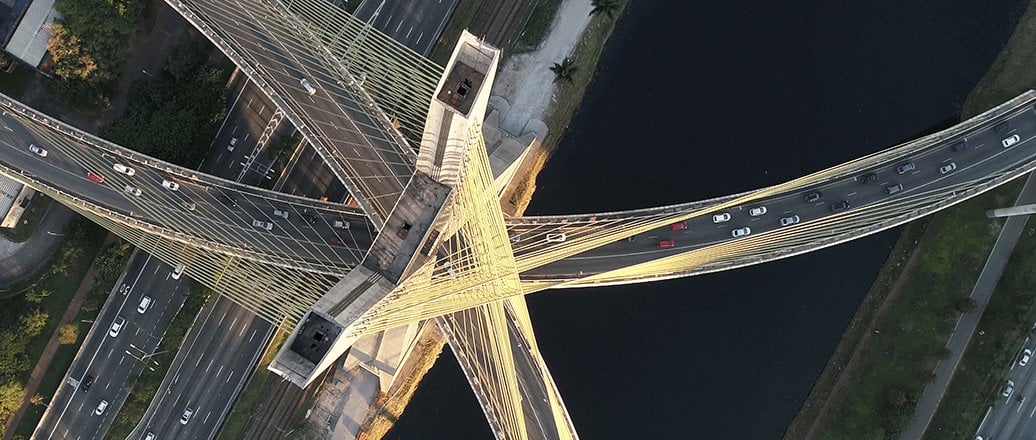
(968, 323)
(52, 345)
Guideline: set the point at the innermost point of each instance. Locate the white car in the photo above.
(309, 87)
(947, 168)
(101, 407)
(186, 417)
(177, 272)
(789, 220)
(281, 214)
(262, 225)
(1007, 142)
(340, 224)
(757, 211)
(145, 302)
(39, 151)
(170, 185)
(721, 217)
(124, 169)
(130, 189)
(1026, 355)
(116, 326)
(556, 238)
(233, 142)
(741, 232)
(1008, 389)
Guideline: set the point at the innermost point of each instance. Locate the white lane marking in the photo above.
(221, 318)
(253, 335)
(233, 322)
(399, 25)
(219, 371)
(242, 332)
(210, 365)
(1033, 412)
(232, 375)
(419, 37)
(408, 32)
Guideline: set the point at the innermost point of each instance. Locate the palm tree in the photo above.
(608, 7)
(564, 70)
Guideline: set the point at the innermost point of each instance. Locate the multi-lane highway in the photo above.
(982, 155)
(415, 26)
(1012, 417)
(108, 359)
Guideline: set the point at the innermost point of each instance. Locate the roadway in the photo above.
(983, 156)
(1012, 416)
(114, 361)
(414, 24)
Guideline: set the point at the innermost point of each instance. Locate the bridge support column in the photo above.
(1012, 211)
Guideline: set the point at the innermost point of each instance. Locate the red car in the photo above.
(335, 241)
(666, 244)
(96, 178)
(679, 226)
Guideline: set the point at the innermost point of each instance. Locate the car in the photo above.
(556, 238)
(190, 206)
(177, 272)
(666, 244)
(514, 238)
(678, 226)
(39, 151)
(757, 211)
(101, 407)
(1008, 389)
(232, 144)
(960, 145)
(741, 232)
(340, 224)
(116, 326)
(170, 185)
(721, 217)
(1026, 355)
(1002, 127)
(124, 289)
(447, 266)
(95, 178)
(123, 169)
(790, 220)
(262, 225)
(905, 168)
(130, 189)
(150, 436)
(335, 240)
(281, 214)
(892, 189)
(88, 380)
(947, 168)
(309, 87)
(631, 239)
(812, 197)
(186, 417)
(145, 302)
(840, 206)
(1008, 142)
(868, 178)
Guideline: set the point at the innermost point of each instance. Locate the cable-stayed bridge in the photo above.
(429, 239)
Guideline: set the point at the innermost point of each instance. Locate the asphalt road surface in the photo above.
(414, 24)
(114, 360)
(1012, 416)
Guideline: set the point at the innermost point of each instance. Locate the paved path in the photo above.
(52, 345)
(968, 322)
(19, 261)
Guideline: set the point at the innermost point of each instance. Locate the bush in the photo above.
(68, 334)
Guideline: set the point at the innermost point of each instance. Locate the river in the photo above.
(693, 100)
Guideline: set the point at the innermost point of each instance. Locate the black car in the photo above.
(869, 177)
(87, 381)
(812, 197)
(1002, 127)
(960, 145)
(840, 206)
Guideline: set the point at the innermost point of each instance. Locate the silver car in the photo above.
(741, 232)
(721, 217)
(789, 220)
(1008, 142)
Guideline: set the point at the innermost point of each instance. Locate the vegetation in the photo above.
(463, 14)
(262, 380)
(14, 76)
(564, 70)
(89, 45)
(606, 7)
(144, 388)
(537, 27)
(174, 116)
(31, 217)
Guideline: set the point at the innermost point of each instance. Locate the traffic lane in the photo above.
(116, 358)
(1010, 417)
(208, 372)
(702, 232)
(416, 25)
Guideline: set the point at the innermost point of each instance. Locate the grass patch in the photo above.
(255, 391)
(144, 388)
(537, 27)
(461, 19)
(30, 219)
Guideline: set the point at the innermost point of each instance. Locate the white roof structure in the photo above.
(29, 42)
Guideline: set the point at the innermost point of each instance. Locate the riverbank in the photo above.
(875, 376)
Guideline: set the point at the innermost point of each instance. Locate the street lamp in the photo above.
(54, 234)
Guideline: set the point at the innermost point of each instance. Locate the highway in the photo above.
(114, 361)
(984, 155)
(415, 25)
(1012, 417)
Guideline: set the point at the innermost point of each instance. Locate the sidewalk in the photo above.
(52, 345)
(968, 323)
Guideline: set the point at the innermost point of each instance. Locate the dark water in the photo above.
(698, 99)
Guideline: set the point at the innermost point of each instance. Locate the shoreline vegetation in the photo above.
(874, 378)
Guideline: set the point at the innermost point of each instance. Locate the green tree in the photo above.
(113, 261)
(36, 296)
(564, 70)
(68, 333)
(11, 395)
(607, 7)
(89, 45)
(12, 354)
(34, 322)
